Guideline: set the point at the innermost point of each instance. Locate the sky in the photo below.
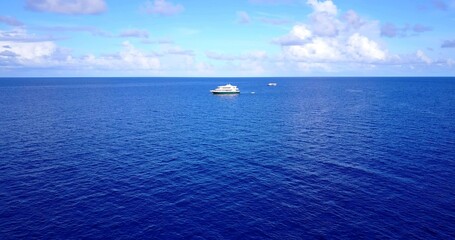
(236, 38)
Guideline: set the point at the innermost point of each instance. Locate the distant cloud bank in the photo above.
(391, 30)
(163, 8)
(10, 21)
(75, 7)
(448, 44)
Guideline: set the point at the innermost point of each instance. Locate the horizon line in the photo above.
(2, 77)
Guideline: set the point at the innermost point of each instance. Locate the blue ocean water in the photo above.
(162, 158)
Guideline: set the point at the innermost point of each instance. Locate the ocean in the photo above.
(163, 158)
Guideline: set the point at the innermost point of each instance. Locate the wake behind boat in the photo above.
(226, 89)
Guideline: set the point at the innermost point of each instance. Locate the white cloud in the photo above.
(324, 24)
(169, 60)
(26, 48)
(344, 49)
(301, 32)
(136, 59)
(318, 49)
(330, 39)
(423, 57)
(33, 50)
(299, 35)
(352, 19)
(162, 7)
(129, 58)
(325, 6)
(363, 49)
(47, 54)
(68, 7)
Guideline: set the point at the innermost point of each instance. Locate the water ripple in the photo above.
(335, 158)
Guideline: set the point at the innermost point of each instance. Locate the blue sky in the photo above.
(227, 38)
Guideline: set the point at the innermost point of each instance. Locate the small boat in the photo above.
(272, 84)
(226, 89)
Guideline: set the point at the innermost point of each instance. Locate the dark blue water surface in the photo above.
(162, 158)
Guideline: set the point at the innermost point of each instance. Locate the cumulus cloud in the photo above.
(299, 35)
(162, 7)
(27, 51)
(330, 38)
(361, 48)
(8, 53)
(30, 52)
(327, 41)
(169, 59)
(7, 58)
(136, 59)
(48, 54)
(324, 24)
(353, 20)
(67, 7)
(324, 19)
(301, 32)
(347, 42)
(423, 57)
(326, 6)
(316, 50)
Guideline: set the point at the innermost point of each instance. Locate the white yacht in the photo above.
(226, 89)
(272, 84)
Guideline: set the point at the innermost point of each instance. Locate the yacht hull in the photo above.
(225, 92)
